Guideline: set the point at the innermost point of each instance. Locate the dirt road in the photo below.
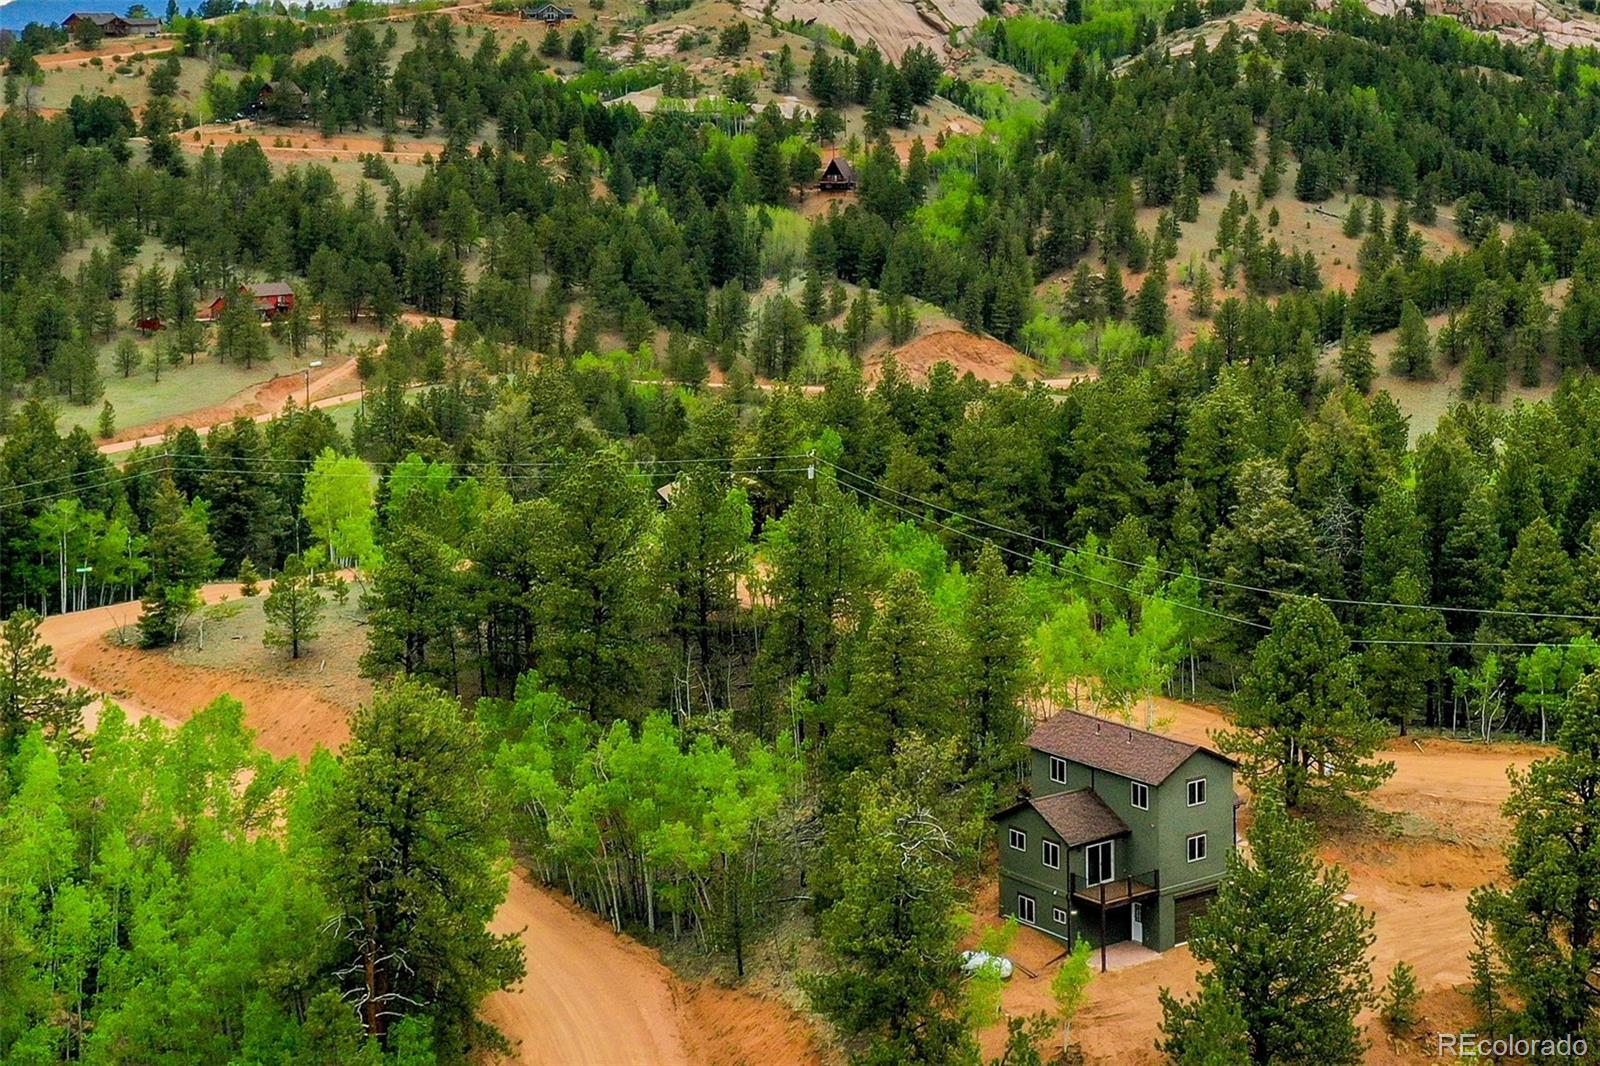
(613, 997)
(590, 998)
(296, 144)
(120, 47)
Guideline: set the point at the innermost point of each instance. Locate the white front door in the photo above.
(1136, 933)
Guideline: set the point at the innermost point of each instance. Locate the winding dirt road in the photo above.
(590, 997)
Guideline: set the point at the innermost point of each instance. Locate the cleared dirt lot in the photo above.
(1435, 836)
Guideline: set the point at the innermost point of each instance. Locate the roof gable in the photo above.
(1078, 817)
(1116, 748)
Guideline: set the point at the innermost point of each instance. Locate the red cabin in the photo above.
(272, 298)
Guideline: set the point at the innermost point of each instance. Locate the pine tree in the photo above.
(813, 296)
(858, 323)
(901, 679)
(1538, 578)
(126, 356)
(31, 696)
(704, 551)
(1401, 665)
(895, 992)
(1302, 723)
(413, 610)
(1201, 302)
(1356, 362)
(1207, 1030)
(1542, 926)
(1413, 353)
(106, 424)
(593, 572)
(1283, 945)
(1468, 571)
(415, 867)
(249, 578)
(293, 609)
(181, 557)
(1113, 296)
(1150, 307)
(994, 670)
(1397, 1003)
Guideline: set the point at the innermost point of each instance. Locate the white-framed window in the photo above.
(1058, 769)
(1197, 847)
(1058, 915)
(1098, 862)
(1019, 840)
(1050, 853)
(1197, 791)
(1140, 795)
(1026, 910)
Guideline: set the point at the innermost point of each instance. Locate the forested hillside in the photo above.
(677, 591)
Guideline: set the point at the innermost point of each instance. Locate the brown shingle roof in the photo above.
(1080, 816)
(270, 288)
(1116, 748)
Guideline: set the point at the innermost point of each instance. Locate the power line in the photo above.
(1066, 570)
(1223, 582)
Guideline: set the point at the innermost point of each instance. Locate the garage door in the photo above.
(1186, 909)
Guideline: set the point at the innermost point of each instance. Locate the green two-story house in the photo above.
(1125, 836)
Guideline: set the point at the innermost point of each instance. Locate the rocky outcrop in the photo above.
(1519, 21)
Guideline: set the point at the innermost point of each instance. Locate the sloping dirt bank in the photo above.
(590, 998)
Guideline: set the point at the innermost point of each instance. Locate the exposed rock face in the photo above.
(1518, 21)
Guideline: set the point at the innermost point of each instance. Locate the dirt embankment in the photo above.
(590, 998)
(988, 359)
(1436, 835)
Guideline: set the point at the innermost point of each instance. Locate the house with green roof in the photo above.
(1124, 837)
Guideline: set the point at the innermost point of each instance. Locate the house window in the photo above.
(1019, 840)
(1025, 909)
(1097, 863)
(1052, 854)
(1197, 791)
(1058, 915)
(1197, 847)
(1058, 769)
(1141, 795)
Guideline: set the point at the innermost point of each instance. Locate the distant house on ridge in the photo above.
(837, 176)
(549, 13)
(113, 25)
